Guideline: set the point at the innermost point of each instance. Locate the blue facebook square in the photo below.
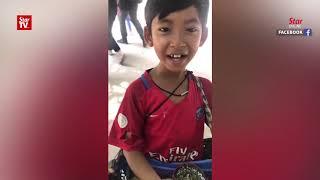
(307, 32)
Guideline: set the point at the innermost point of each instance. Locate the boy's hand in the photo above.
(140, 166)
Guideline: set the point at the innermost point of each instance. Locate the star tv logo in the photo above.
(295, 29)
(295, 22)
(24, 22)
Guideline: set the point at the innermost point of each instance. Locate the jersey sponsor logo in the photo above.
(153, 115)
(176, 154)
(122, 120)
(200, 113)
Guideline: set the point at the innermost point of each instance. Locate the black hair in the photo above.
(164, 7)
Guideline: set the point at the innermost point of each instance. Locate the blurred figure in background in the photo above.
(112, 44)
(129, 7)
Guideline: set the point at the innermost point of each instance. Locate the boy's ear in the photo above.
(147, 36)
(204, 35)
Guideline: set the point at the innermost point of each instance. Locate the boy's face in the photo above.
(176, 38)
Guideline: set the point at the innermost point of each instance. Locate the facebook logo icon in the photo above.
(307, 32)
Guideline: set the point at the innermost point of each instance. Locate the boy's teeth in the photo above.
(175, 55)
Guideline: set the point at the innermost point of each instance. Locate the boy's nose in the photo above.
(177, 40)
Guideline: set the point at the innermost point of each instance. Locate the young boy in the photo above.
(162, 113)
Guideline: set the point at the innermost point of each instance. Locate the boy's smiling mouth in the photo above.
(177, 57)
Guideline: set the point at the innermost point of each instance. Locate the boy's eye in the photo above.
(164, 29)
(193, 29)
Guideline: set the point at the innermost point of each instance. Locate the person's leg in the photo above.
(128, 23)
(124, 14)
(112, 44)
(133, 16)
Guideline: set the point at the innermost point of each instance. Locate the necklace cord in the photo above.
(170, 94)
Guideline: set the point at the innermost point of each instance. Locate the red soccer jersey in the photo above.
(173, 133)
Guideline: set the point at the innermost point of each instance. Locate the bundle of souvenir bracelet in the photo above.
(189, 172)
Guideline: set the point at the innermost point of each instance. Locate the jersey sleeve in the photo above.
(127, 130)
